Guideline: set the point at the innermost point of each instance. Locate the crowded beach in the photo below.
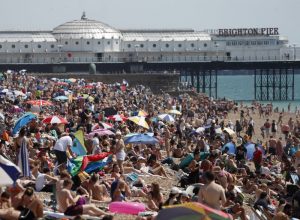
(77, 149)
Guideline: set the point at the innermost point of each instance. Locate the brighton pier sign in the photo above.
(247, 32)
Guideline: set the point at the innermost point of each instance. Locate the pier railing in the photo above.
(149, 59)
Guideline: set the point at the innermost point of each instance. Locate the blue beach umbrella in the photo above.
(231, 147)
(9, 172)
(141, 139)
(24, 120)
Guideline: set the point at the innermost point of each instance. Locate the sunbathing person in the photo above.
(73, 206)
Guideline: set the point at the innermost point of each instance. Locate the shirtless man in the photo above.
(97, 191)
(211, 194)
(70, 205)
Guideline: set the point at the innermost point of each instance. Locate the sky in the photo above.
(132, 14)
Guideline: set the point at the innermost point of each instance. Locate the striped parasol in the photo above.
(55, 120)
(40, 102)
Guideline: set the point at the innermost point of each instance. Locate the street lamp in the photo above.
(59, 51)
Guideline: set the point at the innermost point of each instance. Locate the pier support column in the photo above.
(274, 84)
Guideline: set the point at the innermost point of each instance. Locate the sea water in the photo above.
(241, 87)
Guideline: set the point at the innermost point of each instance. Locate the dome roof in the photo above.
(85, 28)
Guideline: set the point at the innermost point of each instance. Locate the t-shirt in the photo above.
(257, 156)
(62, 143)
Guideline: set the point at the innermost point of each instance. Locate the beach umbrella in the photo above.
(166, 117)
(229, 131)
(191, 211)
(141, 139)
(174, 111)
(106, 125)
(139, 121)
(61, 98)
(133, 134)
(142, 113)
(231, 147)
(55, 119)
(117, 118)
(23, 160)
(22, 121)
(40, 102)
(9, 172)
(100, 132)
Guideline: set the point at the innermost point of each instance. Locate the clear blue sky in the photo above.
(196, 14)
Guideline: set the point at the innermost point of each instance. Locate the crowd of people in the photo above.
(204, 155)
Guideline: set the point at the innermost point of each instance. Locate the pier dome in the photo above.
(86, 29)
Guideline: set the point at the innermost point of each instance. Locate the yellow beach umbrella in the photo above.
(174, 111)
(139, 120)
(142, 113)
